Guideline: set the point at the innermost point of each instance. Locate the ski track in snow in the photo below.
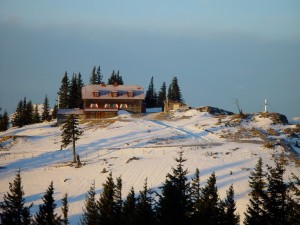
(154, 143)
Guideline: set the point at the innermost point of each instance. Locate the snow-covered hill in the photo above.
(227, 145)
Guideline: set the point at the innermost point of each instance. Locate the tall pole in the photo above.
(266, 105)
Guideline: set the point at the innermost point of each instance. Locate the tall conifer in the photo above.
(90, 214)
(162, 95)
(64, 92)
(46, 110)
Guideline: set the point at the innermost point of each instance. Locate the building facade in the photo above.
(104, 101)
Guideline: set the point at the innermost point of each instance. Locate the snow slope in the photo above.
(35, 149)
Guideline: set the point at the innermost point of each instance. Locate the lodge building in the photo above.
(104, 101)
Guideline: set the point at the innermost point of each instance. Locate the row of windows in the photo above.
(114, 94)
(109, 106)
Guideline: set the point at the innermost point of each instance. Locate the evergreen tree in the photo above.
(46, 214)
(99, 76)
(278, 202)
(28, 112)
(255, 214)
(229, 208)
(73, 98)
(195, 195)
(115, 77)
(210, 203)
(118, 201)
(4, 121)
(46, 111)
(63, 93)
(65, 210)
(174, 92)
(12, 207)
(36, 114)
(18, 119)
(129, 209)
(144, 210)
(174, 203)
(96, 77)
(90, 214)
(162, 95)
(80, 84)
(106, 204)
(54, 112)
(70, 134)
(294, 204)
(151, 97)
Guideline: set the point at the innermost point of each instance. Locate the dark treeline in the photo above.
(155, 99)
(180, 201)
(4, 121)
(69, 94)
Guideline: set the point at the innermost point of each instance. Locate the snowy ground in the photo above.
(110, 144)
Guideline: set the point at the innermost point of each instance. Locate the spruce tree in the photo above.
(70, 134)
(210, 202)
(54, 112)
(195, 195)
(277, 200)
(36, 114)
(119, 78)
(112, 79)
(46, 110)
(229, 206)
(129, 209)
(151, 97)
(144, 207)
(174, 92)
(174, 204)
(63, 93)
(90, 213)
(4, 121)
(13, 206)
(118, 201)
(73, 98)
(80, 84)
(18, 118)
(93, 77)
(28, 112)
(65, 210)
(99, 76)
(162, 95)
(294, 204)
(106, 204)
(255, 213)
(46, 214)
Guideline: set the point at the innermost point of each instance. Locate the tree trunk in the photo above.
(74, 152)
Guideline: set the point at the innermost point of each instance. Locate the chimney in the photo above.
(115, 83)
(103, 84)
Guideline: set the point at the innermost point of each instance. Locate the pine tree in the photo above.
(80, 84)
(73, 98)
(277, 200)
(36, 114)
(70, 134)
(151, 97)
(28, 112)
(174, 92)
(210, 202)
(119, 78)
(63, 93)
(65, 210)
(118, 201)
(4, 121)
(129, 209)
(54, 112)
(229, 207)
(294, 203)
(18, 119)
(12, 207)
(174, 203)
(46, 111)
(162, 95)
(112, 79)
(94, 78)
(99, 76)
(144, 210)
(90, 213)
(256, 214)
(195, 195)
(46, 214)
(106, 204)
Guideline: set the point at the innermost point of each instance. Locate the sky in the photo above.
(220, 50)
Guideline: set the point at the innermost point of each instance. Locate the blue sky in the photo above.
(220, 50)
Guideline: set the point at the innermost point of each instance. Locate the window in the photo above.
(94, 106)
(130, 94)
(96, 94)
(114, 94)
